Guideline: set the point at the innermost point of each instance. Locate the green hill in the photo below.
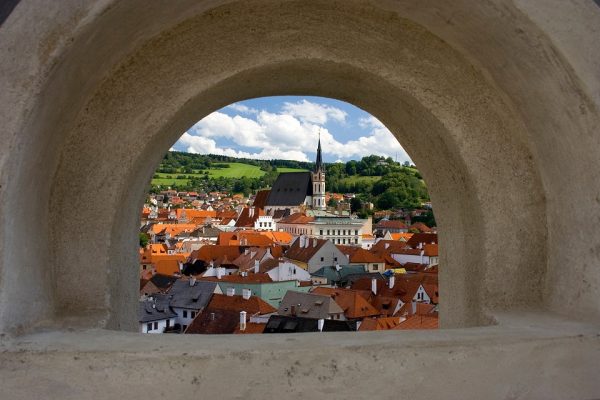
(220, 170)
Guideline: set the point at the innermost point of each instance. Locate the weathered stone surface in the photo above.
(496, 101)
(526, 357)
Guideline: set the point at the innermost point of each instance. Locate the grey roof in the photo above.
(163, 281)
(155, 308)
(308, 305)
(196, 297)
(339, 277)
(290, 189)
(285, 324)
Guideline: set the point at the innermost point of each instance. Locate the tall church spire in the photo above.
(319, 163)
(318, 181)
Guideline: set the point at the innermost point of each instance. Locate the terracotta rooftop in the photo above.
(209, 253)
(253, 305)
(351, 301)
(419, 322)
(390, 224)
(379, 324)
(304, 254)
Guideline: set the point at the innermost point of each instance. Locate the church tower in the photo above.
(318, 181)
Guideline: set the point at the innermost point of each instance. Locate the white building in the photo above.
(265, 223)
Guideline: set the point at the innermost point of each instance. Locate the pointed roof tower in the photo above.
(319, 163)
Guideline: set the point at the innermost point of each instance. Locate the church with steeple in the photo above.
(298, 191)
(318, 182)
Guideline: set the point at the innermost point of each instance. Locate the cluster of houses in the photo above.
(252, 281)
(284, 263)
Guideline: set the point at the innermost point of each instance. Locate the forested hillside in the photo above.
(380, 180)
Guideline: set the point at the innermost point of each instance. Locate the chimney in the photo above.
(192, 281)
(242, 320)
(219, 272)
(246, 293)
(320, 324)
(293, 310)
(230, 291)
(315, 242)
(374, 286)
(301, 241)
(337, 267)
(246, 251)
(256, 266)
(386, 245)
(392, 281)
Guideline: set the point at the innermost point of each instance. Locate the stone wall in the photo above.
(496, 101)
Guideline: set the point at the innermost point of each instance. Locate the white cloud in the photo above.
(313, 113)
(242, 108)
(290, 134)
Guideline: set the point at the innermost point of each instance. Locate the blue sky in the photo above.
(287, 127)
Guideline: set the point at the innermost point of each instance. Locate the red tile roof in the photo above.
(419, 322)
(393, 224)
(422, 238)
(260, 200)
(248, 216)
(297, 218)
(254, 305)
(251, 327)
(208, 253)
(351, 301)
(379, 324)
(304, 254)
(421, 227)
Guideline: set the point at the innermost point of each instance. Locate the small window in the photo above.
(149, 326)
(156, 325)
(192, 314)
(334, 258)
(184, 314)
(321, 232)
(375, 267)
(322, 259)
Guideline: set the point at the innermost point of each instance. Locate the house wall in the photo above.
(327, 255)
(288, 271)
(162, 325)
(404, 258)
(187, 320)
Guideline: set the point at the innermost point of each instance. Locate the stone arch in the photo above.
(459, 116)
(505, 96)
(118, 116)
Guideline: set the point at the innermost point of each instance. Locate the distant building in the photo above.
(339, 230)
(308, 305)
(297, 191)
(312, 253)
